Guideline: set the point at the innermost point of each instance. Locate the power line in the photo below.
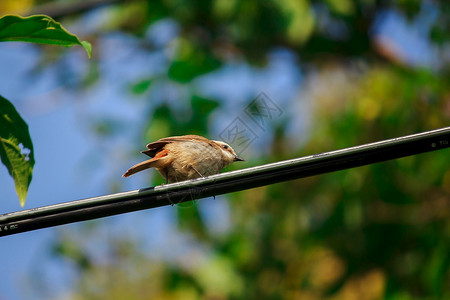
(174, 193)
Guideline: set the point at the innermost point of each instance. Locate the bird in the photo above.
(180, 158)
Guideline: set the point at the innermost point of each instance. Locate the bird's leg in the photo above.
(197, 171)
(166, 177)
(201, 176)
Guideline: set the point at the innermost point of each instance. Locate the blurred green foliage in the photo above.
(16, 147)
(375, 232)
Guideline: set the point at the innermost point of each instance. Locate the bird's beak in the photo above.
(236, 158)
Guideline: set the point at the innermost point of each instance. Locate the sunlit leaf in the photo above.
(38, 29)
(16, 148)
(301, 20)
(344, 7)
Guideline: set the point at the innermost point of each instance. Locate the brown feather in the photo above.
(155, 162)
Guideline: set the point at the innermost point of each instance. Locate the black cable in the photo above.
(174, 193)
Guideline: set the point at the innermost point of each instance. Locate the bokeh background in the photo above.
(340, 73)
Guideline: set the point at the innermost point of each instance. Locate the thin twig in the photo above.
(59, 10)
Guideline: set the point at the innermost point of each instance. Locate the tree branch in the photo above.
(58, 10)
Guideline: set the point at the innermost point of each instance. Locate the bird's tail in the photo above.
(140, 166)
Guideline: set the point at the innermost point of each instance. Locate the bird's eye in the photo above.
(224, 146)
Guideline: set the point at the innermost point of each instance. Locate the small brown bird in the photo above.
(186, 157)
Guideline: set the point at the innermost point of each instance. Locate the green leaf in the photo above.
(16, 148)
(141, 86)
(38, 29)
(186, 70)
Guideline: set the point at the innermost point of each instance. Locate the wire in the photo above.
(174, 193)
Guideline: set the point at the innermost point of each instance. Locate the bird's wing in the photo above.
(155, 147)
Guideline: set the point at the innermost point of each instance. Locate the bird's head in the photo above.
(228, 153)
